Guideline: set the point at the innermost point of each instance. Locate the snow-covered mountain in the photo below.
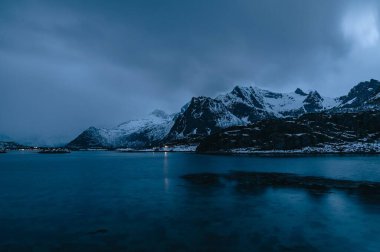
(364, 96)
(253, 103)
(203, 116)
(243, 105)
(131, 134)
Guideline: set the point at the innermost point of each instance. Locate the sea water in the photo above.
(110, 201)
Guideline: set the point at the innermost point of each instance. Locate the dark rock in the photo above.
(313, 102)
(200, 118)
(300, 92)
(90, 138)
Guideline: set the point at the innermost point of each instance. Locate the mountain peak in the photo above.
(314, 94)
(239, 88)
(300, 92)
(361, 94)
(365, 85)
(238, 91)
(243, 90)
(313, 102)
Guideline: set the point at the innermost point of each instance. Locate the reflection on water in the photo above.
(137, 202)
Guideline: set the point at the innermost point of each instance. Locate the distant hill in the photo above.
(9, 145)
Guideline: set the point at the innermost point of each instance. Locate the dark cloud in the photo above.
(65, 65)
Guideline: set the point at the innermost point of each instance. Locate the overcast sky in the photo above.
(67, 65)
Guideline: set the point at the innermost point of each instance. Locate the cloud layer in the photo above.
(66, 65)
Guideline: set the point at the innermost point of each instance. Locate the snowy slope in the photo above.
(134, 133)
(267, 103)
(156, 126)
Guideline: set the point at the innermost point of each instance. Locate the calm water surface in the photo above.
(108, 201)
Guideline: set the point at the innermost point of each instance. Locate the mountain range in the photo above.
(203, 116)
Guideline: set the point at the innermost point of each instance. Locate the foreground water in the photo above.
(108, 201)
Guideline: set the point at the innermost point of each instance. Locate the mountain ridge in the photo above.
(203, 116)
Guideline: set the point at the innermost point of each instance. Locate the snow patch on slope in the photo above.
(154, 127)
(277, 104)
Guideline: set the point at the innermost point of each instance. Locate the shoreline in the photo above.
(278, 153)
(289, 154)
